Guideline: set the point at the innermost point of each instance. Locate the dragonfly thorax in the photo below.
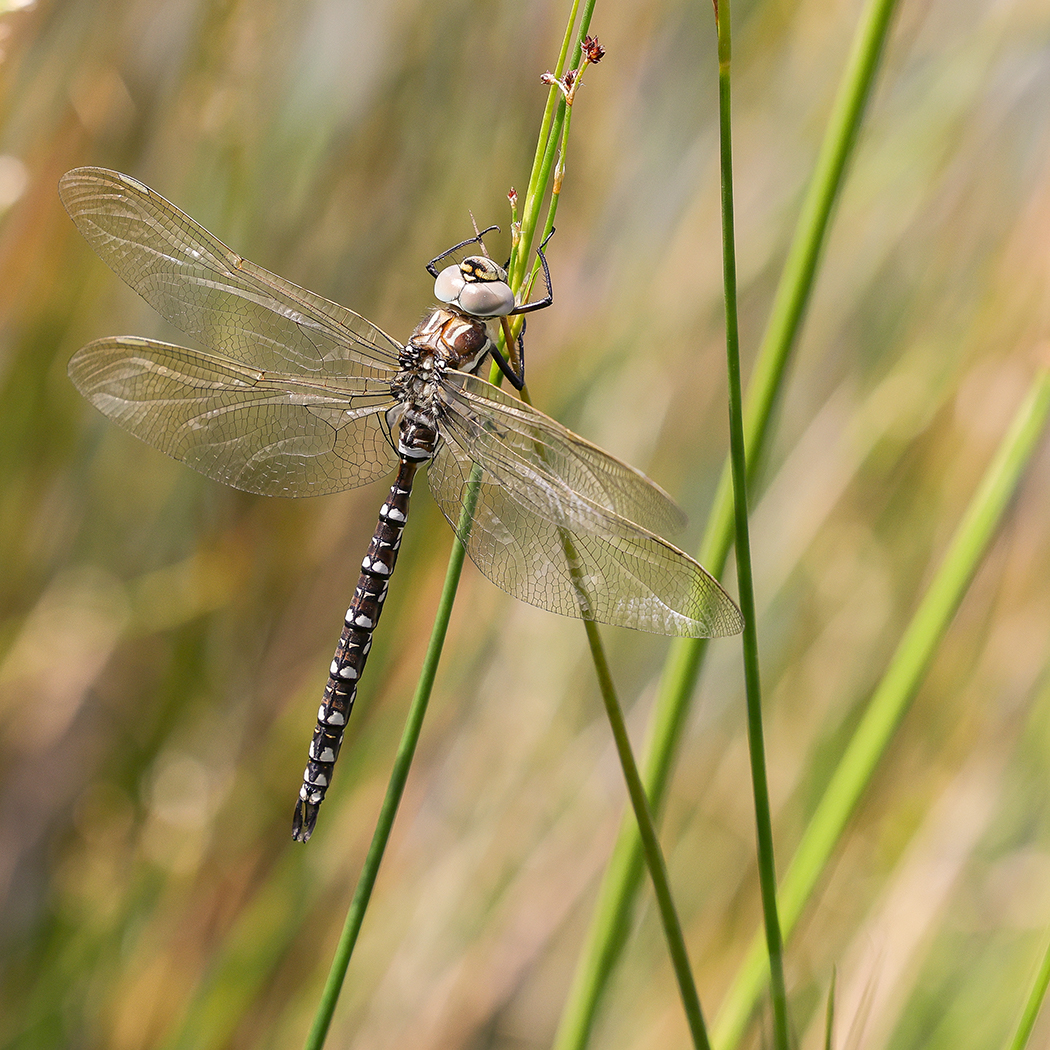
(477, 286)
(447, 338)
(444, 340)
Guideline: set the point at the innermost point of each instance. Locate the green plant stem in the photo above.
(651, 850)
(894, 693)
(1036, 995)
(611, 922)
(395, 789)
(554, 142)
(650, 843)
(548, 139)
(547, 147)
(755, 735)
(553, 131)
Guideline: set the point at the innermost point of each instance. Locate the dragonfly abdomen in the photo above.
(366, 606)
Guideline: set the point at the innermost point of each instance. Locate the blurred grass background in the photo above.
(164, 641)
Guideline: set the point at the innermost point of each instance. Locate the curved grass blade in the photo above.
(1034, 1002)
(894, 693)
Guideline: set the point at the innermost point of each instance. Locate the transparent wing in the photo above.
(266, 432)
(203, 288)
(542, 540)
(505, 428)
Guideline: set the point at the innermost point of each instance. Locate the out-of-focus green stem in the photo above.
(893, 695)
(1036, 995)
(829, 1015)
(395, 789)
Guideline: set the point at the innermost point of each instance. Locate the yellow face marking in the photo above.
(475, 268)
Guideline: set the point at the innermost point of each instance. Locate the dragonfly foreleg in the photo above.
(516, 377)
(539, 304)
(476, 239)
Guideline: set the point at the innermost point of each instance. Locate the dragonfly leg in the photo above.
(539, 304)
(476, 239)
(515, 378)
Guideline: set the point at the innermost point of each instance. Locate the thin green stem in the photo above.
(650, 843)
(755, 735)
(622, 880)
(611, 922)
(894, 694)
(395, 789)
(539, 177)
(640, 804)
(643, 815)
(548, 139)
(547, 146)
(552, 142)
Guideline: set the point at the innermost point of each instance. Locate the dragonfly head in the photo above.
(477, 286)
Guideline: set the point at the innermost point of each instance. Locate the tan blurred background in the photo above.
(164, 640)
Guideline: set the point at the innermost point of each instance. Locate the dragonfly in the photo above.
(298, 396)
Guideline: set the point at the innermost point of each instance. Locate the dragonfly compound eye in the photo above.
(449, 284)
(488, 299)
(477, 286)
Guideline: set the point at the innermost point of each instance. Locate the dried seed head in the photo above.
(592, 49)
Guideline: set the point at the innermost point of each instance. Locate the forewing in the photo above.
(546, 543)
(496, 427)
(208, 291)
(265, 432)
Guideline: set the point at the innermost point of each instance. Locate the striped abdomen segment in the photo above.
(352, 651)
